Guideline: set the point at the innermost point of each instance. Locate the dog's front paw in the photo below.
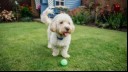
(66, 55)
(55, 54)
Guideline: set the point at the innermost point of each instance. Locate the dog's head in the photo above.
(62, 24)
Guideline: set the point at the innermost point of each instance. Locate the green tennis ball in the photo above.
(64, 62)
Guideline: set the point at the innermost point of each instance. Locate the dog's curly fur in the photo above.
(60, 27)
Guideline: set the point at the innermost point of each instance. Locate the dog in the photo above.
(59, 32)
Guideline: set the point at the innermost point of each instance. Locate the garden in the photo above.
(99, 42)
(108, 16)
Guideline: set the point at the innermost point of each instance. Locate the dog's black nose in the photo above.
(67, 28)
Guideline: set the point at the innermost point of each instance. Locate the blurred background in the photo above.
(102, 13)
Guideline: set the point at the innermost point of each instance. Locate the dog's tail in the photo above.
(44, 16)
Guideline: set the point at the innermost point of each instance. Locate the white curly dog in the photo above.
(59, 32)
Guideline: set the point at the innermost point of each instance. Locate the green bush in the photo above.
(116, 20)
(82, 17)
(112, 20)
(25, 12)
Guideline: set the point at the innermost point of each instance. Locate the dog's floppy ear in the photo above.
(53, 26)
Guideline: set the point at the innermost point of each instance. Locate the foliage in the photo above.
(25, 12)
(82, 17)
(112, 17)
(114, 20)
(108, 16)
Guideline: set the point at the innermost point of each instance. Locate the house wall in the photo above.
(72, 4)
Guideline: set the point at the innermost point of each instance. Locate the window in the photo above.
(59, 2)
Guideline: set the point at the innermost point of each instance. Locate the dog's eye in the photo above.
(61, 22)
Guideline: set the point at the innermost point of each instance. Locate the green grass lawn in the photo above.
(23, 46)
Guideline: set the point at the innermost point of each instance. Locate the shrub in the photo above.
(82, 17)
(116, 20)
(25, 12)
(111, 17)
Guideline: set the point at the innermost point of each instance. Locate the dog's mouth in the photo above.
(66, 33)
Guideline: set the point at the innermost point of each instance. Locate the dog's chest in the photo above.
(61, 43)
